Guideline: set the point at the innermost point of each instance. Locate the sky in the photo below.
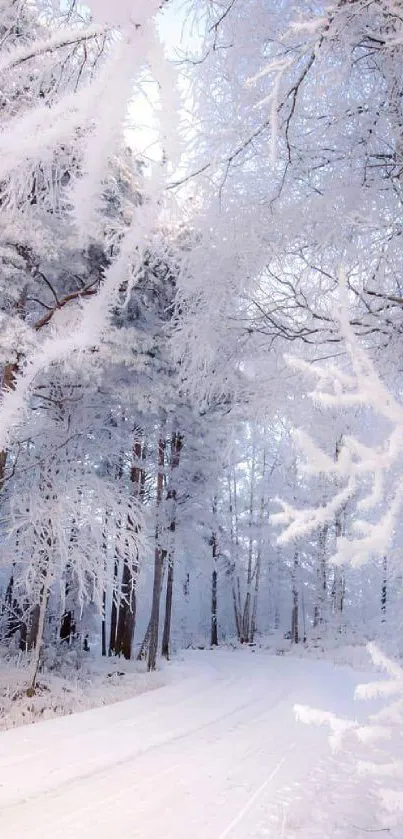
(142, 130)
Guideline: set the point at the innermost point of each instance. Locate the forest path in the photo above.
(216, 753)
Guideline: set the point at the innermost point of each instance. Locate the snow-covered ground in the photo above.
(67, 689)
(79, 682)
(215, 753)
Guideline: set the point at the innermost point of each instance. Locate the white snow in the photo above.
(77, 686)
(216, 752)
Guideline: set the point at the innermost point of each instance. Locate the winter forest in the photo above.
(201, 314)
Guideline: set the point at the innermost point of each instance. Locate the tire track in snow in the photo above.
(170, 739)
(234, 743)
(254, 798)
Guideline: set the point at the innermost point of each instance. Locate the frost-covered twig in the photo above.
(33, 136)
(59, 40)
(373, 470)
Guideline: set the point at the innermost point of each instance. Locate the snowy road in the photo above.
(217, 753)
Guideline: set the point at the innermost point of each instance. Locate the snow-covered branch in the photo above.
(372, 471)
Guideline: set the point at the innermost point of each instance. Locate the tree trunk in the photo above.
(214, 621)
(303, 616)
(237, 609)
(176, 448)
(11, 609)
(384, 589)
(166, 636)
(39, 612)
(33, 627)
(127, 606)
(255, 596)
(39, 636)
(246, 619)
(116, 571)
(46, 542)
(295, 610)
(127, 613)
(214, 628)
(103, 624)
(339, 583)
(105, 560)
(258, 565)
(114, 606)
(159, 556)
(320, 607)
(236, 600)
(143, 651)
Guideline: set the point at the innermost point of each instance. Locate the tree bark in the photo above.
(105, 561)
(295, 609)
(246, 617)
(114, 606)
(37, 627)
(176, 448)
(41, 612)
(339, 583)
(384, 589)
(159, 556)
(127, 607)
(103, 625)
(214, 576)
(143, 651)
(258, 564)
(320, 607)
(116, 571)
(236, 600)
(166, 636)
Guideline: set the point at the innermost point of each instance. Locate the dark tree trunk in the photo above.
(237, 610)
(127, 607)
(214, 580)
(36, 632)
(320, 613)
(66, 627)
(384, 589)
(11, 609)
(258, 564)
(38, 639)
(116, 572)
(255, 597)
(339, 583)
(103, 625)
(166, 637)
(127, 613)
(36, 635)
(294, 620)
(143, 651)
(245, 619)
(33, 625)
(295, 609)
(159, 556)
(105, 561)
(114, 607)
(176, 448)
(214, 626)
(23, 632)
